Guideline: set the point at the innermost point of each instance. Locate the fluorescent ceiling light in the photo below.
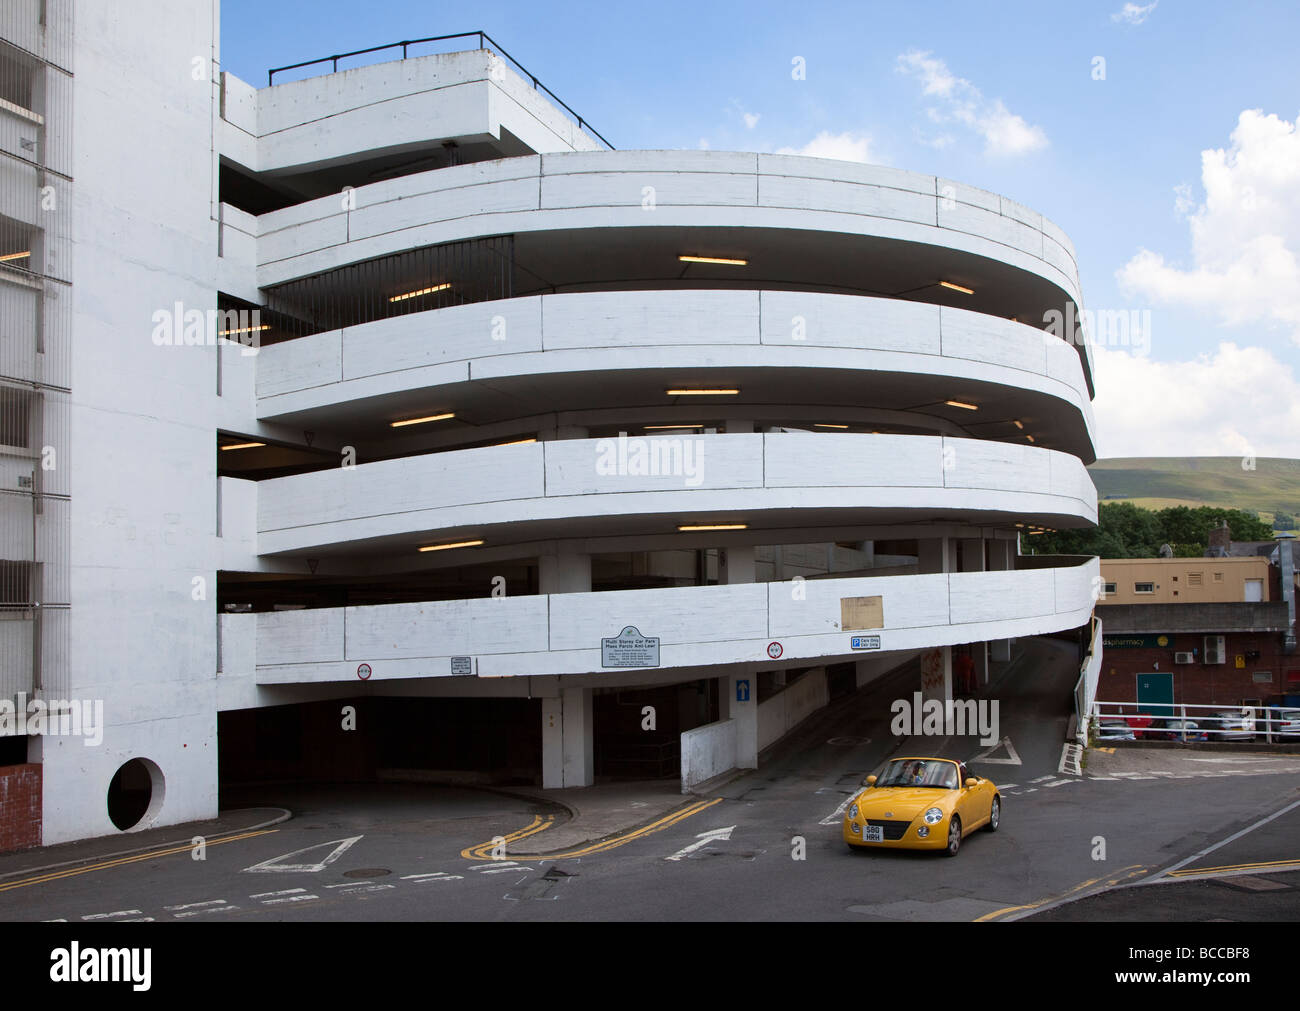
(447, 547)
(821, 424)
(15, 256)
(692, 424)
(701, 393)
(714, 259)
(1018, 423)
(422, 291)
(1030, 438)
(956, 287)
(516, 442)
(965, 406)
(245, 329)
(242, 445)
(421, 421)
(714, 526)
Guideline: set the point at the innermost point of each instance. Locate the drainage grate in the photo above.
(367, 872)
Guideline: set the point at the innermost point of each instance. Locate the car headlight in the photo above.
(933, 816)
(853, 810)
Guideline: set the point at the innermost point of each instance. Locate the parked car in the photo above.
(1188, 731)
(1233, 725)
(1280, 722)
(1115, 730)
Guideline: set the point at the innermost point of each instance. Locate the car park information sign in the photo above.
(629, 649)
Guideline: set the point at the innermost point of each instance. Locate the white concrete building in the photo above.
(515, 393)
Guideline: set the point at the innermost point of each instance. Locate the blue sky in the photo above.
(1005, 96)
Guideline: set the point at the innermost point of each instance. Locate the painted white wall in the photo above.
(590, 331)
(698, 626)
(746, 474)
(706, 752)
(785, 710)
(142, 468)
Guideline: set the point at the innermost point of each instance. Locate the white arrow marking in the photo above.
(838, 813)
(704, 839)
(274, 865)
(1004, 743)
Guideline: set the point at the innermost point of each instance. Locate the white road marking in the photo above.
(494, 863)
(287, 891)
(704, 838)
(289, 898)
(1008, 786)
(1237, 835)
(109, 916)
(60, 920)
(1071, 756)
(501, 870)
(1059, 782)
(435, 876)
(983, 758)
(358, 889)
(1042, 779)
(204, 912)
(195, 905)
(274, 865)
(838, 813)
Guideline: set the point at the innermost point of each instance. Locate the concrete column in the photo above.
(972, 554)
(1000, 650)
(739, 425)
(574, 741)
(552, 744)
(744, 710)
(564, 572)
(934, 554)
(980, 653)
(936, 674)
(570, 431)
(868, 549)
(1000, 555)
(736, 565)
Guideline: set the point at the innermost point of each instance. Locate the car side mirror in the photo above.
(869, 781)
(970, 781)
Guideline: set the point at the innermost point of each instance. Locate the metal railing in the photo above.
(1147, 721)
(483, 40)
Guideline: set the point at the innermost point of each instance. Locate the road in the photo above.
(764, 847)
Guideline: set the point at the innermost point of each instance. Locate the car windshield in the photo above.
(919, 772)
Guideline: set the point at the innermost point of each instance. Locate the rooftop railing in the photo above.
(484, 42)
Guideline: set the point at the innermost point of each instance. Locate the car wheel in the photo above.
(995, 815)
(954, 836)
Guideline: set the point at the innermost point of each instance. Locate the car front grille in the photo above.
(894, 830)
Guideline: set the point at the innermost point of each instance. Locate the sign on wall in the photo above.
(1137, 642)
(629, 649)
(462, 665)
(861, 612)
(865, 641)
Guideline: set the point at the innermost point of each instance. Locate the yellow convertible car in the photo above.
(921, 803)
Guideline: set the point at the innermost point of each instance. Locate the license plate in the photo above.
(873, 833)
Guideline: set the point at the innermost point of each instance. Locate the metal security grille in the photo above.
(35, 343)
(434, 277)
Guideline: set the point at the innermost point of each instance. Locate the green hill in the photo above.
(1162, 481)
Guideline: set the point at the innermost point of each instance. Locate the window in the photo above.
(1194, 578)
(1144, 587)
(1218, 577)
(1109, 589)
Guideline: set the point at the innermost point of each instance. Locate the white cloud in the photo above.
(1004, 132)
(1245, 237)
(1132, 14)
(842, 146)
(704, 143)
(1235, 402)
(751, 120)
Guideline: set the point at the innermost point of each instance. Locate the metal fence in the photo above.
(1178, 721)
(484, 40)
(434, 277)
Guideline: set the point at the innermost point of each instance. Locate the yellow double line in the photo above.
(70, 872)
(484, 850)
(1133, 870)
(1208, 872)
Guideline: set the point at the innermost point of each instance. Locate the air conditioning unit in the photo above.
(1184, 658)
(1214, 651)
